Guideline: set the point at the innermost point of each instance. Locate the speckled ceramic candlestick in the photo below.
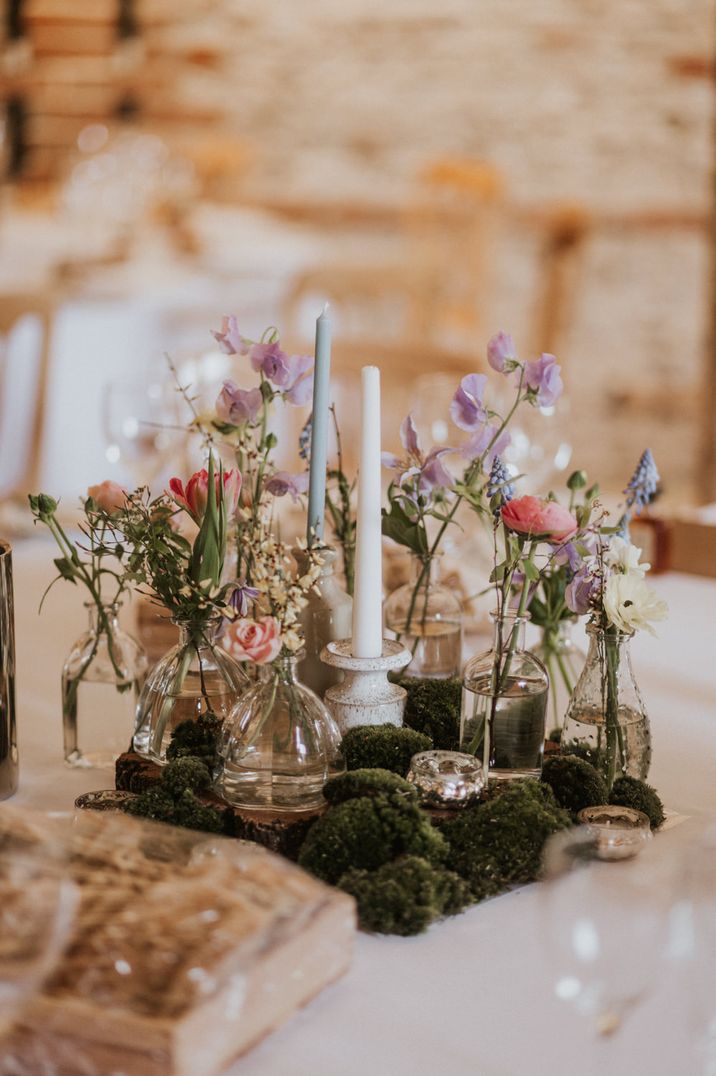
(366, 696)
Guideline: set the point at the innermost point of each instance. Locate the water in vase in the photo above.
(98, 720)
(518, 725)
(436, 648)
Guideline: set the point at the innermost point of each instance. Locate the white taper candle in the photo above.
(367, 641)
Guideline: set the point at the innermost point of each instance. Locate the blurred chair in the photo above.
(25, 330)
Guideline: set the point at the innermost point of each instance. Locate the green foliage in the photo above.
(405, 896)
(196, 739)
(433, 708)
(631, 792)
(185, 773)
(373, 782)
(367, 832)
(499, 843)
(385, 747)
(574, 782)
(407, 532)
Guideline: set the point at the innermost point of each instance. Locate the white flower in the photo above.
(624, 557)
(630, 604)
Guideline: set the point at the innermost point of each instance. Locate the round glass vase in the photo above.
(606, 721)
(564, 661)
(426, 618)
(196, 677)
(101, 681)
(280, 744)
(504, 704)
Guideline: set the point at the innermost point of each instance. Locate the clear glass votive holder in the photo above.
(620, 832)
(447, 779)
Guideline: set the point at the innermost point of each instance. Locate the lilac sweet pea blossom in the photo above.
(271, 361)
(282, 483)
(242, 597)
(542, 377)
(581, 591)
(235, 405)
(230, 339)
(569, 554)
(476, 445)
(467, 409)
(298, 389)
(500, 351)
(424, 473)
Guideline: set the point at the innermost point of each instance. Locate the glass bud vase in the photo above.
(606, 722)
(101, 681)
(503, 713)
(326, 618)
(426, 618)
(194, 678)
(564, 661)
(280, 744)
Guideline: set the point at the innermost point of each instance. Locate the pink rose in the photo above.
(194, 497)
(253, 640)
(110, 496)
(539, 519)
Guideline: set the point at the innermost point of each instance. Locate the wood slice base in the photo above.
(283, 833)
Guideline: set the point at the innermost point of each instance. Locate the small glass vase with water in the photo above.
(101, 681)
(426, 617)
(504, 704)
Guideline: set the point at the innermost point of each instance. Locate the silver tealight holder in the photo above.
(446, 779)
(619, 832)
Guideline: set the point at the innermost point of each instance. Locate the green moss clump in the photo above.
(574, 782)
(154, 803)
(433, 708)
(373, 782)
(631, 792)
(499, 843)
(193, 814)
(365, 833)
(196, 739)
(405, 896)
(183, 773)
(385, 747)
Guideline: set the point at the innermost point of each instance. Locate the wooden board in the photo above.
(187, 950)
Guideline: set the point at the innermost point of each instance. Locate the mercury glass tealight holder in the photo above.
(446, 779)
(620, 832)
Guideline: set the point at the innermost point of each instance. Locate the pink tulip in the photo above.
(539, 519)
(194, 497)
(253, 640)
(109, 496)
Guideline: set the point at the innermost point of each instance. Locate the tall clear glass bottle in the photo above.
(326, 617)
(194, 678)
(101, 681)
(564, 661)
(606, 721)
(504, 704)
(280, 744)
(426, 618)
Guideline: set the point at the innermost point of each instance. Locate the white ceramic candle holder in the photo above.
(366, 696)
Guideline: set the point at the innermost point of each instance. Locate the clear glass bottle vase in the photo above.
(564, 661)
(427, 618)
(280, 744)
(194, 678)
(606, 722)
(504, 704)
(101, 681)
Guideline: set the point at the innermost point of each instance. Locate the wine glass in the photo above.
(605, 925)
(144, 425)
(37, 906)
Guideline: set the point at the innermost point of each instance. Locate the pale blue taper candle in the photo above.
(319, 429)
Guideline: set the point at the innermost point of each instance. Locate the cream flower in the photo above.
(630, 604)
(623, 557)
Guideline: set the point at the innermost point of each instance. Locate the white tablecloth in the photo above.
(474, 995)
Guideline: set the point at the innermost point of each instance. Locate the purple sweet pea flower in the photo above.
(477, 444)
(542, 376)
(419, 474)
(467, 410)
(235, 405)
(271, 361)
(282, 483)
(500, 350)
(230, 339)
(434, 474)
(581, 591)
(569, 554)
(298, 388)
(242, 598)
